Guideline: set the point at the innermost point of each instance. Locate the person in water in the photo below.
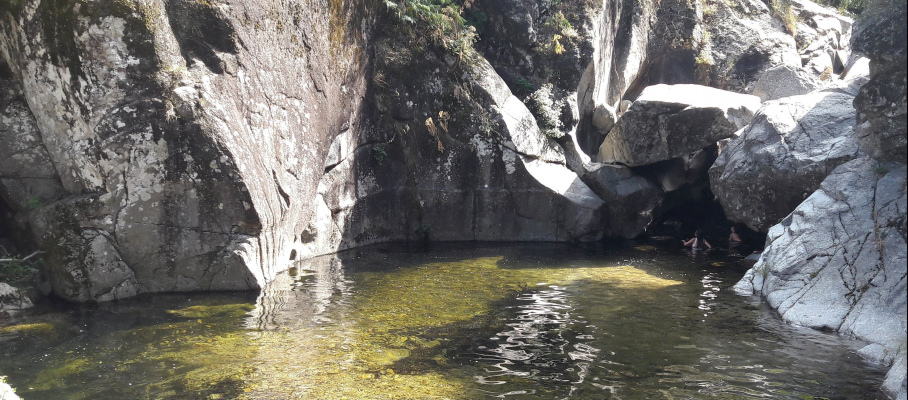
(697, 242)
(733, 238)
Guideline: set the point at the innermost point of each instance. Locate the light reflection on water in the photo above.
(459, 322)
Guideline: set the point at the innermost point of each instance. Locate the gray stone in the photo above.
(784, 81)
(838, 261)
(604, 118)
(744, 40)
(821, 64)
(685, 170)
(669, 121)
(483, 172)
(28, 178)
(783, 156)
(629, 199)
(12, 300)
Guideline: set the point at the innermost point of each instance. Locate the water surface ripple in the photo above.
(455, 321)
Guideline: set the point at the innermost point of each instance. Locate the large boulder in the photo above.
(783, 156)
(669, 121)
(630, 199)
(784, 81)
(838, 261)
(28, 178)
(12, 300)
(742, 39)
(184, 156)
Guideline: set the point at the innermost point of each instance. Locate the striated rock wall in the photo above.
(838, 260)
(180, 150)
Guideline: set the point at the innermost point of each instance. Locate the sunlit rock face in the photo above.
(838, 261)
(183, 155)
(782, 156)
(670, 121)
(785, 81)
(7, 393)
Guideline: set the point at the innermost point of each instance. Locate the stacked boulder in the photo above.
(670, 121)
(783, 155)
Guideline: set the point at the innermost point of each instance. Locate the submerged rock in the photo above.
(669, 121)
(838, 261)
(782, 156)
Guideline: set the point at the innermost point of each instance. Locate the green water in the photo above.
(513, 321)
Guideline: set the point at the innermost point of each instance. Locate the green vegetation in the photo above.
(704, 60)
(379, 153)
(782, 9)
(441, 21)
(524, 87)
(558, 28)
(17, 268)
(34, 203)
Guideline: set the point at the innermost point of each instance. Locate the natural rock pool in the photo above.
(641, 320)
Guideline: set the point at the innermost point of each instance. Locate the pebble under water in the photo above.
(639, 320)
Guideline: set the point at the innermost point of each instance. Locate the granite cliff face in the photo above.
(837, 261)
(164, 157)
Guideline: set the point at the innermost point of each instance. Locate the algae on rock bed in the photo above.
(392, 336)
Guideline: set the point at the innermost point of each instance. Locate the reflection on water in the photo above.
(459, 322)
